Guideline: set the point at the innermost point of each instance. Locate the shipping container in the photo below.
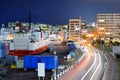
(2, 51)
(51, 62)
(34, 62)
(27, 61)
(10, 59)
(19, 64)
(44, 60)
(31, 61)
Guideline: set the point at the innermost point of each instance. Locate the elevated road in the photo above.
(96, 71)
(91, 67)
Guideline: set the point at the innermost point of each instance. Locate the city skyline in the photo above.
(55, 11)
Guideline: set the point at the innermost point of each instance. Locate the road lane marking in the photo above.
(89, 68)
(79, 61)
(97, 67)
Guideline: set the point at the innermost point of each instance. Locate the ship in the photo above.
(28, 43)
(5, 34)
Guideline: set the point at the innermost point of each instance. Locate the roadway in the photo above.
(96, 71)
(91, 67)
(112, 72)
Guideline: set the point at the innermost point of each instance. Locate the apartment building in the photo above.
(108, 25)
(75, 29)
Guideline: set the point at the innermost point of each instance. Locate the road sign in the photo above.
(41, 69)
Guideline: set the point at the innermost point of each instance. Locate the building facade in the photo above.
(108, 25)
(84, 28)
(75, 29)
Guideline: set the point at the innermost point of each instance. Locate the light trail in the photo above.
(70, 74)
(89, 69)
(81, 71)
(97, 67)
(104, 64)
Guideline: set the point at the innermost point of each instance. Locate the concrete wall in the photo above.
(116, 50)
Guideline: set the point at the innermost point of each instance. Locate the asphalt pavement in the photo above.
(112, 72)
(78, 71)
(91, 67)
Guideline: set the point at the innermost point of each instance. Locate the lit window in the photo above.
(101, 28)
(101, 20)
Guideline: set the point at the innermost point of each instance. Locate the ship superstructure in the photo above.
(32, 42)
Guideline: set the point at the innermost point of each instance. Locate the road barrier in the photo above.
(69, 68)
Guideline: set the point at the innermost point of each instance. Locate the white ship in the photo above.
(30, 43)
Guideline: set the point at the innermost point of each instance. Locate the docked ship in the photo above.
(28, 43)
(5, 34)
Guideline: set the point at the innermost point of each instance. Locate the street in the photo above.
(86, 69)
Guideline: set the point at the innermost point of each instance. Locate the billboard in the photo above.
(41, 69)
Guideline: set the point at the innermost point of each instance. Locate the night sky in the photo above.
(55, 12)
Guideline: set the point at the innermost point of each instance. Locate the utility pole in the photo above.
(54, 65)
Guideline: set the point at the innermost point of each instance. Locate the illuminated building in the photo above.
(108, 25)
(75, 29)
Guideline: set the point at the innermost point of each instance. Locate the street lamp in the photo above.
(54, 65)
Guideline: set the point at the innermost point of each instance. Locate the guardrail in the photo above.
(68, 68)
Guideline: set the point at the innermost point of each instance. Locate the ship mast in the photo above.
(29, 20)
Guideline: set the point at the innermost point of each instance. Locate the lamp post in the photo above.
(54, 65)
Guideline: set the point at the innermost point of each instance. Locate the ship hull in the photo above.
(27, 52)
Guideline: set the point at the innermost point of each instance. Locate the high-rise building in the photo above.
(108, 25)
(75, 29)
